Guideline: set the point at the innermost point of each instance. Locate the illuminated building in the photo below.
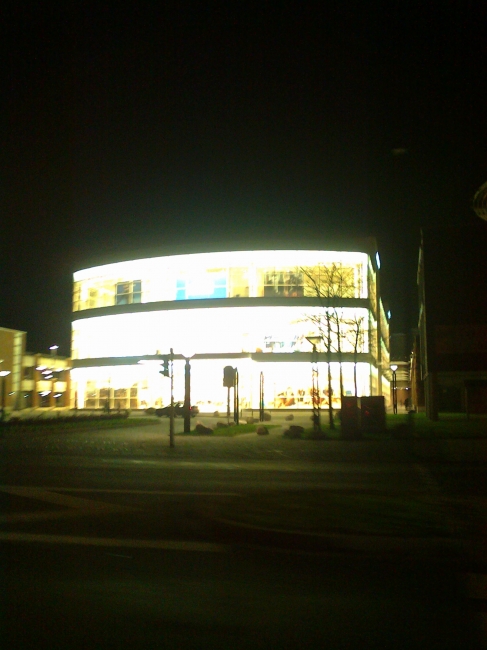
(12, 347)
(251, 309)
(33, 380)
(45, 381)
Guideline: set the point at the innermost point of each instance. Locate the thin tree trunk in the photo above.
(330, 399)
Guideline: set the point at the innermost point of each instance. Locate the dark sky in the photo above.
(124, 128)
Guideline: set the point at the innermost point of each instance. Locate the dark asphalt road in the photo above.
(108, 541)
(83, 597)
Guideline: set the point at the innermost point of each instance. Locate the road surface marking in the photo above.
(44, 494)
(128, 491)
(74, 506)
(79, 507)
(164, 545)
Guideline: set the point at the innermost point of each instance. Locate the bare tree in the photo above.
(329, 284)
(356, 337)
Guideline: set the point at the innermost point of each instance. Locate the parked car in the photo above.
(178, 410)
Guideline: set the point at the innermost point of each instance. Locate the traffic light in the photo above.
(229, 374)
(165, 367)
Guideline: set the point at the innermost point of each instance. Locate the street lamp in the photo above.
(394, 388)
(52, 398)
(3, 374)
(187, 392)
(315, 391)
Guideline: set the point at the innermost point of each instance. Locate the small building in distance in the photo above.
(12, 349)
(34, 380)
(452, 283)
(45, 381)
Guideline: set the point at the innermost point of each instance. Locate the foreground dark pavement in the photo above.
(79, 597)
(116, 540)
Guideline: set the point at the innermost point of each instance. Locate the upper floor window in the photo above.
(28, 372)
(208, 283)
(283, 283)
(76, 296)
(128, 292)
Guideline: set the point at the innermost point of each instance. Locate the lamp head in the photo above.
(314, 340)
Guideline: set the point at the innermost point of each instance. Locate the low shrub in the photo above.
(294, 431)
(202, 430)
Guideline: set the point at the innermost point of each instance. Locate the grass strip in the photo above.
(52, 426)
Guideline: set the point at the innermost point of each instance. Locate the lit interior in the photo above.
(223, 330)
(215, 275)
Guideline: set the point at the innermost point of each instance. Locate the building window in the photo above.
(92, 300)
(128, 293)
(28, 373)
(76, 296)
(288, 284)
(44, 399)
(209, 283)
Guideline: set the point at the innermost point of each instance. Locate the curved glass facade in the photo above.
(249, 309)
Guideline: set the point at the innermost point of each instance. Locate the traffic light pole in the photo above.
(230, 380)
(171, 410)
(187, 396)
(236, 401)
(261, 398)
(315, 391)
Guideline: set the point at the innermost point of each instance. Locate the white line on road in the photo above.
(164, 545)
(44, 494)
(30, 491)
(155, 492)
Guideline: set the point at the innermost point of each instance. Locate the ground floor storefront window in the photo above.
(287, 385)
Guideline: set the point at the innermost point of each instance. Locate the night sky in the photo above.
(125, 129)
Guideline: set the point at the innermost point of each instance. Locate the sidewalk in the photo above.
(152, 441)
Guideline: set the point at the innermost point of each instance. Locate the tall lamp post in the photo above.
(53, 349)
(187, 392)
(394, 388)
(3, 375)
(315, 391)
